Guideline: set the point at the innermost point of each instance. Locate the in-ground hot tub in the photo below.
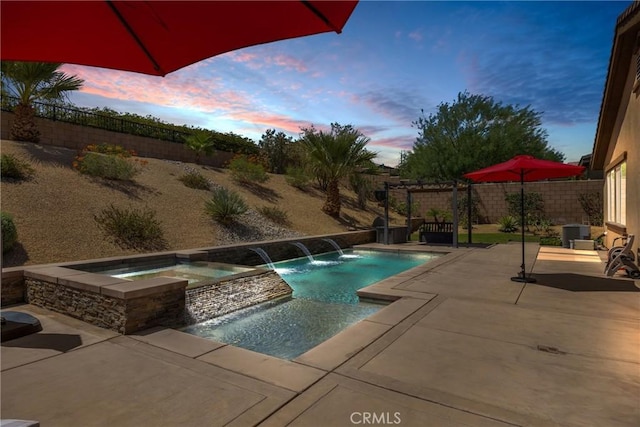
(195, 272)
(134, 293)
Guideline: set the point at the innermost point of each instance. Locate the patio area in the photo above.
(462, 345)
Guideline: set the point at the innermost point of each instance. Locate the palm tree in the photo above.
(335, 155)
(200, 142)
(30, 82)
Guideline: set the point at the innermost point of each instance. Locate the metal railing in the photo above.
(72, 115)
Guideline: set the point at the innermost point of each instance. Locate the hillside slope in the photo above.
(54, 211)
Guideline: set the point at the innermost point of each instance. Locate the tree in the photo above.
(201, 142)
(471, 133)
(334, 155)
(31, 82)
(276, 148)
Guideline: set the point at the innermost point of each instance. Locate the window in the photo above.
(617, 194)
(636, 84)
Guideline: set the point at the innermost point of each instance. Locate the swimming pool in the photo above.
(324, 302)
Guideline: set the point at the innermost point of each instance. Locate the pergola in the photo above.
(419, 186)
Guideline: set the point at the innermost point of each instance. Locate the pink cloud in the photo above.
(289, 63)
(183, 90)
(270, 121)
(254, 61)
(241, 56)
(397, 142)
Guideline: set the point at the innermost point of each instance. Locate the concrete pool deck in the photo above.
(464, 345)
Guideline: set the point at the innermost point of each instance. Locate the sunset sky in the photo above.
(392, 60)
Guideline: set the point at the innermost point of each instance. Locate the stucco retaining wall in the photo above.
(13, 288)
(61, 134)
(279, 250)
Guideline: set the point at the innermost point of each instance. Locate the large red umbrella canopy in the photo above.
(524, 168)
(155, 37)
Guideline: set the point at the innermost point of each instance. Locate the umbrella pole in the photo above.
(522, 276)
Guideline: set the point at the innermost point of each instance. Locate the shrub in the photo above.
(463, 210)
(9, 232)
(363, 187)
(533, 206)
(195, 180)
(275, 214)
(137, 229)
(435, 213)
(592, 205)
(247, 170)
(13, 168)
(544, 227)
(551, 241)
(276, 149)
(225, 205)
(201, 142)
(508, 224)
(108, 161)
(401, 207)
(105, 166)
(109, 149)
(297, 177)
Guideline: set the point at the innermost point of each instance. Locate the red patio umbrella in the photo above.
(155, 37)
(524, 168)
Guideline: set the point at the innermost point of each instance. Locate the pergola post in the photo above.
(409, 203)
(469, 213)
(386, 213)
(455, 213)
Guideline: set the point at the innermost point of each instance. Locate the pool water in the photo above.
(324, 302)
(335, 278)
(283, 328)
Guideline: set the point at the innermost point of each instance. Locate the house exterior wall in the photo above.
(625, 143)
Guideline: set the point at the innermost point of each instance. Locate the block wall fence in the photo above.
(560, 197)
(61, 134)
(561, 203)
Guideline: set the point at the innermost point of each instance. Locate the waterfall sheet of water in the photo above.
(304, 250)
(335, 245)
(265, 257)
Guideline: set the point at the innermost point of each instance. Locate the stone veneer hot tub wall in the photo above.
(121, 305)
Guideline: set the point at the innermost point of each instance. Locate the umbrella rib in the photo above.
(135, 37)
(320, 15)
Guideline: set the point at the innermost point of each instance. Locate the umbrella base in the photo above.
(523, 279)
(16, 324)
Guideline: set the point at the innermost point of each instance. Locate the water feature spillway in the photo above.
(335, 245)
(304, 250)
(265, 257)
